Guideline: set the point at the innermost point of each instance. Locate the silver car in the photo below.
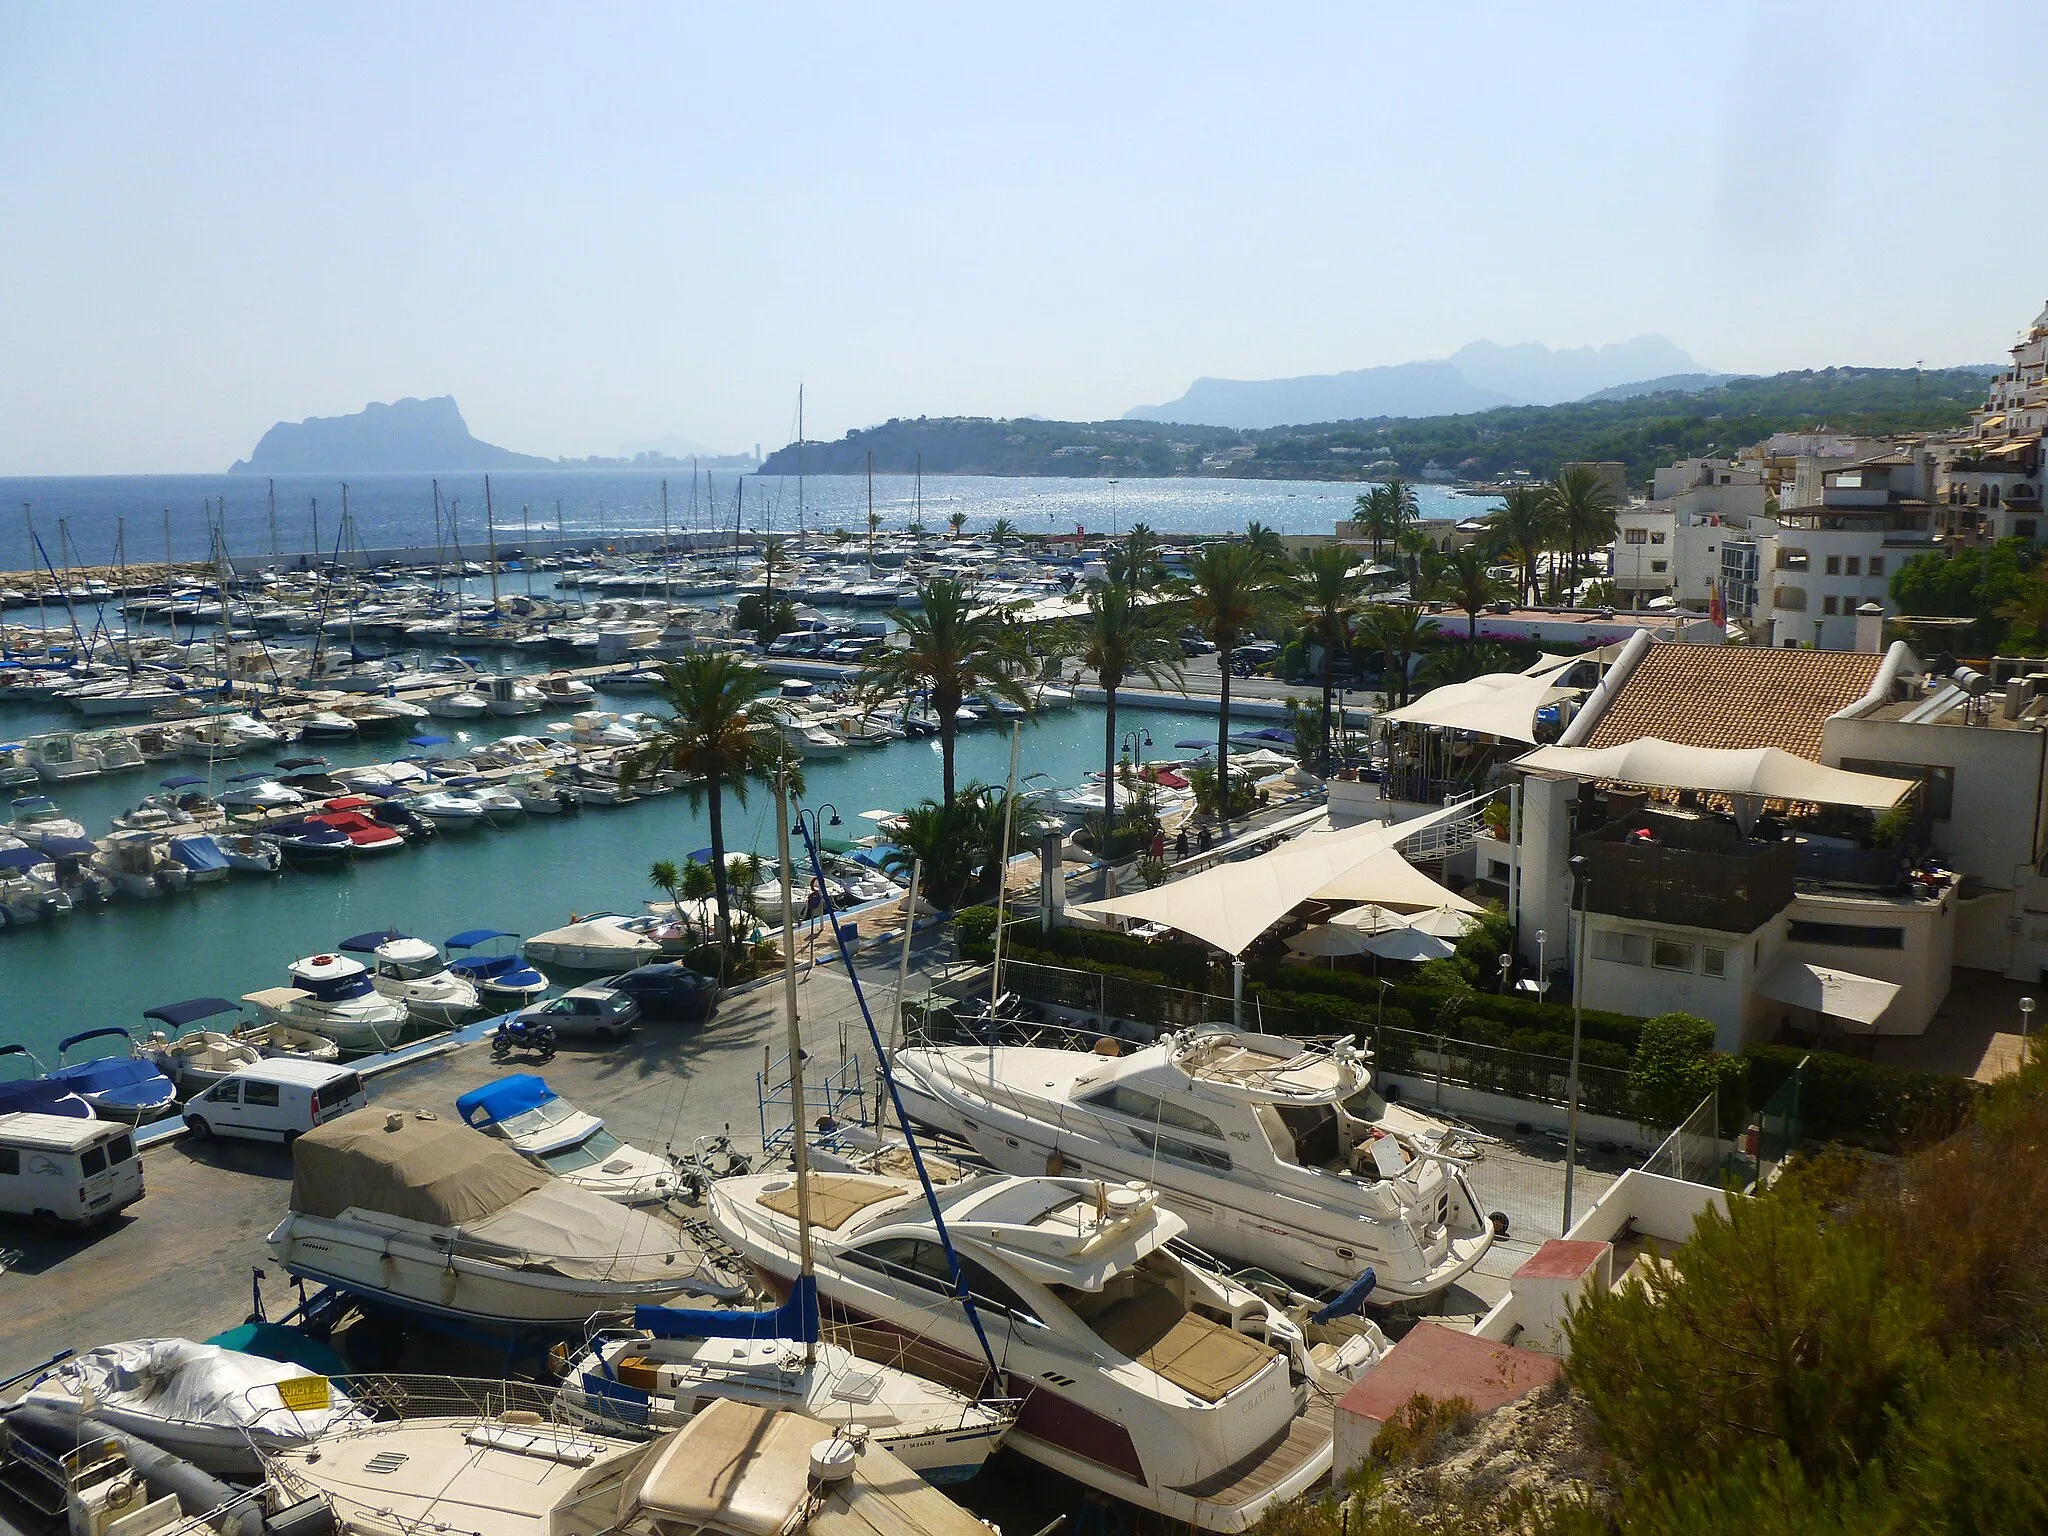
(589, 1012)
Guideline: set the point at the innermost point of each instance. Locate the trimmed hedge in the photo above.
(1846, 1098)
(1505, 1014)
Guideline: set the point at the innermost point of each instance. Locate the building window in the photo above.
(1827, 604)
(1670, 955)
(1792, 560)
(1938, 780)
(1496, 869)
(1659, 565)
(2023, 527)
(1877, 565)
(1855, 566)
(1638, 535)
(1846, 935)
(1793, 598)
(1834, 565)
(1621, 948)
(1713, 962)
(1656, 538)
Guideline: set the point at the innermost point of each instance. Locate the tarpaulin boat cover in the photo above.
(180, 1382)
(407, 1163)
(562, 1230)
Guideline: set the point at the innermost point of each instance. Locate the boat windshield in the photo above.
(588, 1153)
(411, 970)
(542, 1117)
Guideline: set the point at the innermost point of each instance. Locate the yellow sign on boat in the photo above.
(305, 1394)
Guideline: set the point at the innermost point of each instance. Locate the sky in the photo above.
(602, 224)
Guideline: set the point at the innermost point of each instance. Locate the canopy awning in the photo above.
(1229, 905)
(1500, 704)
(1837, 994)
(178, 1015)
(1767, 772)
(1391, 881)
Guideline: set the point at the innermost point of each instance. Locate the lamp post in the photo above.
(1583, 881)
(1135, 742)
(2026, 1025)
(1507, 963)
(1542, 975)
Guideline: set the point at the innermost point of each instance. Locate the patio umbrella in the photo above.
(1444, 923)
(1370, 919)
(1328, 941)
(1408, 944)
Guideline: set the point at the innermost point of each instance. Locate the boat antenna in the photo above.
(903, 965)
(665, 558)
(806, 1267)
(275, 554)
(995, 975)
(491, 546)
(924, 1178)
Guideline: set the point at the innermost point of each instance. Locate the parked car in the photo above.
(1194, 643)
(1248, 659)
(593, 1011)
(667, 989)
(275, 1100)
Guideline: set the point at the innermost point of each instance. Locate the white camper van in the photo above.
(59, 1172)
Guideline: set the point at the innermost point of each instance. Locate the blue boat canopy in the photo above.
(1194, 745)
(469, 938)
(367, 943)
(197, 851)
(796, 1318)
(183, 781)
(503, 1100)
(426, 741)
(22, 858)
(69, 847)
(178, 1015)
(243, 778)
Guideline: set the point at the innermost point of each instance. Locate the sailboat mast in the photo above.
(28, 516)
(799, 466)
(491, 543)
(871, 514)
(440, 550)
(664, 539)
(798, 1122)
(275, 552)
(342, 546)
(526, 547)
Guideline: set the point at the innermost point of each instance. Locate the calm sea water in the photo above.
(398, 509)
(106, 967)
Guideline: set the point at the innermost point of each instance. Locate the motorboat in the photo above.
(598, 728)
(17, 767)
(514, 696)
(542, 795)
(140, 865)
(1277, 1153)
(365, 833)
(379, 714)
(197, 1059)
(37, 821)
(333, 995)
(41, 1094)
(500, 807)
(603, 941)
(633, 680)
(210, 741)
(560, 688)
(118, 1086)
(116, 752)
(734, 1469)
(406, 1207)
(551, 1133)
(412, 971)
(250, 853)
(59, 757)
(156, 813)
(399, 775)
(1142, 1374)
(136, 699)
(310, 845)
(502, 977)
(522, 752)
(328, 725)
(462, 704)
(448, 812)
(219, 1409)
(603, 785)
(202, 857)
(259, 790)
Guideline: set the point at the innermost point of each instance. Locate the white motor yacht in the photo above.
(499, 805)
(1278, 1154)
(448, 813)
(463, 704)
(514, 696)
(424, 1212)
(259, 790)
(196, 1059)
(332, 995)
(553, 1134)
(37, 822)
(559, 688)
(597, 728)
(1142, 1375)
(413, 972)
(60, 757)
(603, 941)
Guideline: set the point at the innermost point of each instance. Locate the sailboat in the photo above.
(673, 1362)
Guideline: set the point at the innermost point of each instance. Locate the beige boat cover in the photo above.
(562, 1230)
(836, 1198)
(407, 1163)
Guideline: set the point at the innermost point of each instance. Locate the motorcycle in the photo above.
(517, 1034)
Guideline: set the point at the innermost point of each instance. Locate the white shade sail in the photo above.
(1502, 704)
(1766, 772)
(1836, 994)
(1230, 905)
(1391, 881)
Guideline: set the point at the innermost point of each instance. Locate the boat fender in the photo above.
(1107, 1047)
(162, 1473)
(1055, 1165)
(832, 1461)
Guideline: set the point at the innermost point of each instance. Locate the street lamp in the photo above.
(1542, 975)
(1135, 742)
(2026, 1023)
(1583, 881)
(1507, 963)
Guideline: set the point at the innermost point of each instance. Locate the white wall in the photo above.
(1646, 989)
(1921, 969)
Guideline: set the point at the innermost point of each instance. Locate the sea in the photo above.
(60, 977)
(149, 517)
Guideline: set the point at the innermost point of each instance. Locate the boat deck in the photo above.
(1308, 1435)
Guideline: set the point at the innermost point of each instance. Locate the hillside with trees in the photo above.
(1642, 432)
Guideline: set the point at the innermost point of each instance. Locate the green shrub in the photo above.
(1676, 1067)
(1846, 1098)
(974, 928)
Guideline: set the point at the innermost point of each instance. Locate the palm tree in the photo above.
(1002, 530)
(960, 846)
(663, 875)
(1462, 663)
(1397, 632)
(1375, 514)
(1230, 584)
(774, 557)
(1467, 576)
(1522, 526)
(953, 646)
(1329, 596)
(956, 521)
(1267, 542)
(1584, 508)
(719, 735)
(1135, 563)
(1120, 639)
(915, 528)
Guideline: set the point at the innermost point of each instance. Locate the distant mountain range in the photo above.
(402, 435)
(1481, 376)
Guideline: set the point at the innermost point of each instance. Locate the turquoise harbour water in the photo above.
(106, 967)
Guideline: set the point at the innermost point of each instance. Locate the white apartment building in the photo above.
(1992, 480)
(1670, 546)
(1836, 545)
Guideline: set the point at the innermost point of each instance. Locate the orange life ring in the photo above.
(322, 960)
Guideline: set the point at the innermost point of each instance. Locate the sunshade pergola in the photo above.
(1502, 704)
(1766, 773)
(1833, 994)
(1391, 881)
(1230, 905)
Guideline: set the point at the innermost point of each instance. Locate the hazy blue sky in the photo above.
(598, 223)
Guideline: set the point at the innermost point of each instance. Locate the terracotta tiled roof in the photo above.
(1735, 696)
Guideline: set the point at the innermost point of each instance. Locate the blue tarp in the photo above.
(366, 943)
(426, 741)
(243, 778)
(796, 1318)
(197, 851)
(69, 847)
(178, 1015)
(22, 858)
(183, 781)
(502, 1100)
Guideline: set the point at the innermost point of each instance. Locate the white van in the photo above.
(275, 1100)
(59, 1171)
